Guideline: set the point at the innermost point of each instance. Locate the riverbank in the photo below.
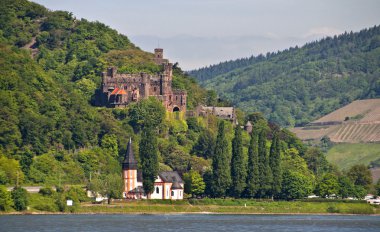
(220, 207)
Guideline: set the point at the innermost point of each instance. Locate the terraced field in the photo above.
(358, 122)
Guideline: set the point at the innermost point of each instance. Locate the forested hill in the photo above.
(301, 84)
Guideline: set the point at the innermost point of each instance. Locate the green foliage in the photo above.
(110, 185)
(253, 166)
(275, 165)
(346, 187)
(147, 113)
(295, 185)
(298, 85)
(265, 174)
(46, 191)
(360, 175)
(221, 176)
(327, 186)
(205, 145)
(316, 162)
(148, 154)
(238, 165)
(20, 198)
(6, 201)
(194, 183)
(11, 172)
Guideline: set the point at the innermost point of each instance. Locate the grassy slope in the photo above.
(346, 155)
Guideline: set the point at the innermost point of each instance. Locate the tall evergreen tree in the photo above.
(238, 166)
(221, 178)
(275, 165)
(265, 174)
(253, 169)
(149, 158)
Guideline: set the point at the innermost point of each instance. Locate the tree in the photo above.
(194, 183)
(295, 185)
(377, 187)
(275, 165)
(12, 170)
(253, 169)
(20, 198)
(238, 166)
(205, 145)
(360, 175)
(147, 112)
(148, 154)
(327, 186)
(6, 201)
(221, 176)
(346, 187)
(110, 185)
(265, 174)
(316, 161)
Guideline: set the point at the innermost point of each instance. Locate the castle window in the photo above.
(157, 190)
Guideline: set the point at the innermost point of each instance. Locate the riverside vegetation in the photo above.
(52, 135)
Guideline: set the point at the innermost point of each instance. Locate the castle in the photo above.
(118, 90)
(168, 185)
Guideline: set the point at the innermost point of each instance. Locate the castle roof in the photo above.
(129, 159)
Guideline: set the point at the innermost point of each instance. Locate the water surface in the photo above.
(188, 222)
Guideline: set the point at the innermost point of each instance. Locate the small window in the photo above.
(180, 193)
(172, 193)
(154, 89)
(157, 190)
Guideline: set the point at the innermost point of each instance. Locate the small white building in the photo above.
(168, 185)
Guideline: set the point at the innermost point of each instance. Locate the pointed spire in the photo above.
(129, 159)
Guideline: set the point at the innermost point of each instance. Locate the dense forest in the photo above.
(301, 84)
(52, 135)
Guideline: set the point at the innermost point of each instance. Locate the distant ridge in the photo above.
(357, 122)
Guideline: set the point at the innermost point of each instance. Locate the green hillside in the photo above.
(301, 84)
(347, 155)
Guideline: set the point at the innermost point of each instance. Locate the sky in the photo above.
(198, 33)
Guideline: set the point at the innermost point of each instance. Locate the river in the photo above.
(188, 222)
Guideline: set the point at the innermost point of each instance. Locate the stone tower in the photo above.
(129, 170)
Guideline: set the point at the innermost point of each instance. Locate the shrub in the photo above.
(20, 198)
(47, 191)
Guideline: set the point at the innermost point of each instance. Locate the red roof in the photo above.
(115, 91)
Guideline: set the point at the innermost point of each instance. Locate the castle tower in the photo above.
(129, 171)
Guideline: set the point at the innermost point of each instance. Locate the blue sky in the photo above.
(198, 33)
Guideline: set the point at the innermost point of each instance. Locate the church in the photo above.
(120, 89)
(168, 185)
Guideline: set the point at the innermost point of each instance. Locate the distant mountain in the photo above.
(357, 122)
(299, 85)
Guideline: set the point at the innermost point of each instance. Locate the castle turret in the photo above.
(129, 170)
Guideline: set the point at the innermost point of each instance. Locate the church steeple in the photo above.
(129, 159)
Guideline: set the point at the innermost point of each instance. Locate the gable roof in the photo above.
(170, 177)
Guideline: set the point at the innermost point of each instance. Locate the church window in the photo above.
(157, 190)
(172, 193)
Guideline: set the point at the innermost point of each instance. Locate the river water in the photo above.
(188, 222)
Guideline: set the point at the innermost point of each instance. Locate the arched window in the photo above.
(157, 190)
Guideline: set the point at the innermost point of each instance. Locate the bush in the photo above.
(47, 191)
(20, 198)
(6, 202)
